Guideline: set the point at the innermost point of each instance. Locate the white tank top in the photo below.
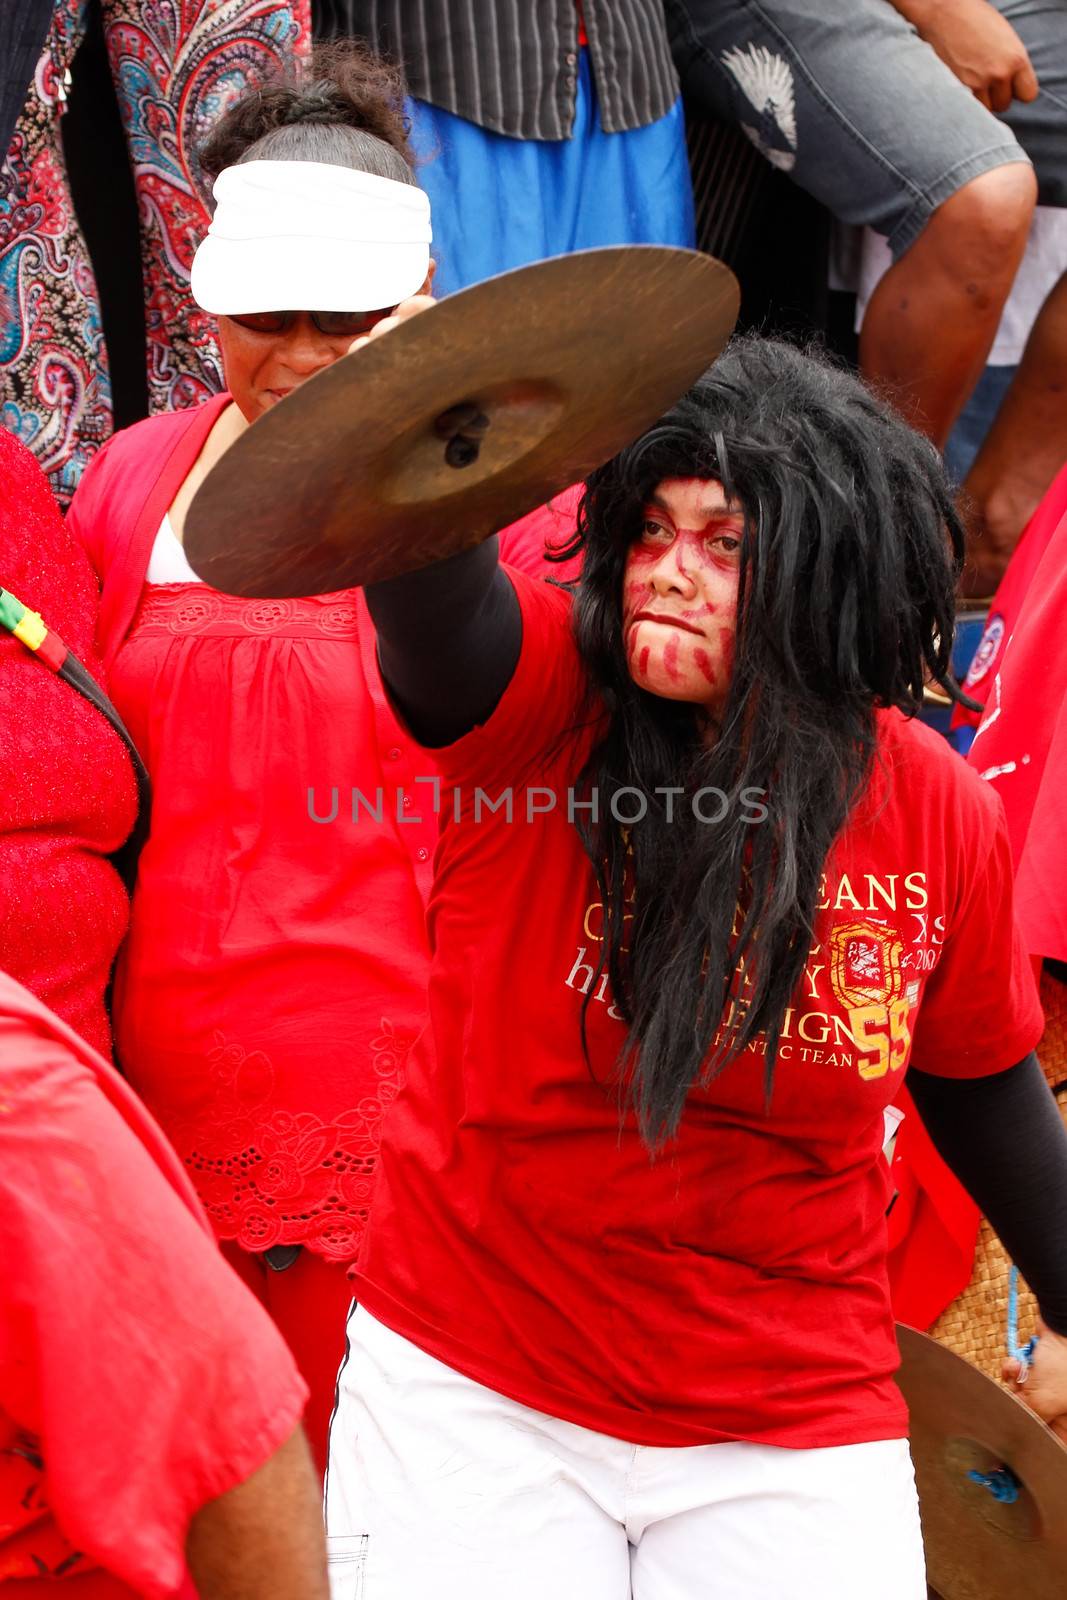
(168, 563)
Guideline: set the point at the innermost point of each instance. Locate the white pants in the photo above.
(438, 1487)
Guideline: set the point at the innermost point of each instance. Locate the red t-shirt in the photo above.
(138, 1377)
(734, 1288)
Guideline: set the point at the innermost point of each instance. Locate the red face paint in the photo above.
(703, 661)
(670, 657)
(679, 592)
(636, 589)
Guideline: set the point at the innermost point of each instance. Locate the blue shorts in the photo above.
(500, 203)
(845, 97)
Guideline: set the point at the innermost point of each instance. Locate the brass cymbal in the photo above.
(977, 1547)
(459, 421)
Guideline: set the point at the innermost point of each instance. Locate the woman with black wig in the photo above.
(705, 891)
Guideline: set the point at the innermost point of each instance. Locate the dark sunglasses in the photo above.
(334, 324)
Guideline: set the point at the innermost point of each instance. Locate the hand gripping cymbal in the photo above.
(431, 438)
(979, 1547)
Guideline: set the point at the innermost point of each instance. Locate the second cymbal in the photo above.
(979, 1547)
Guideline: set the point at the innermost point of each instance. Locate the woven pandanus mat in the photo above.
(975, 1325)
(1053, 1047)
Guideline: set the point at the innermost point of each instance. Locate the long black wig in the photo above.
(849, 561)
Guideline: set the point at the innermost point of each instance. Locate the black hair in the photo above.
(344, 108)
(848, 565)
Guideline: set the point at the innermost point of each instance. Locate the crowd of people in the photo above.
(521, 1176)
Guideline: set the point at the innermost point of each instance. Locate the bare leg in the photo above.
(1024, 449)
(932, 319)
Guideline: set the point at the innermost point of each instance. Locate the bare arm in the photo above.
(977, 44)
(263, 1540)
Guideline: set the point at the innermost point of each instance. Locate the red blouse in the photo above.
(68, 796)
(274, 978)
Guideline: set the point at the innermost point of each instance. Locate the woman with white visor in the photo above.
(275, 972)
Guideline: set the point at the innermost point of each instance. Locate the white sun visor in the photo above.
(309, 236)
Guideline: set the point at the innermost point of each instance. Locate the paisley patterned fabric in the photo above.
(177, 65)
(54, 389)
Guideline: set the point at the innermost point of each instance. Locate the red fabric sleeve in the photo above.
(980, 1013)
(1021, 749)
(150, 1376)
(1041, 878)
(545, 700)
(523, 545)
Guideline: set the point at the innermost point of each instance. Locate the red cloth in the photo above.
(139, 1379)
(933, 1226)
(274, 977)
(735, 1287)
(68, 798)
(1021, 745)
(309, 1304)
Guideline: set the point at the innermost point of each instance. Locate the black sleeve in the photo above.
(449, 638)
(1003, 1138)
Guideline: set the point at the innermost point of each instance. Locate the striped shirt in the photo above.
(23, 34)
(512, 65)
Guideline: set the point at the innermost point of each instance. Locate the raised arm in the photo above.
(449, 638)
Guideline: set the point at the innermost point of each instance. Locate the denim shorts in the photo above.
(846, 98)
